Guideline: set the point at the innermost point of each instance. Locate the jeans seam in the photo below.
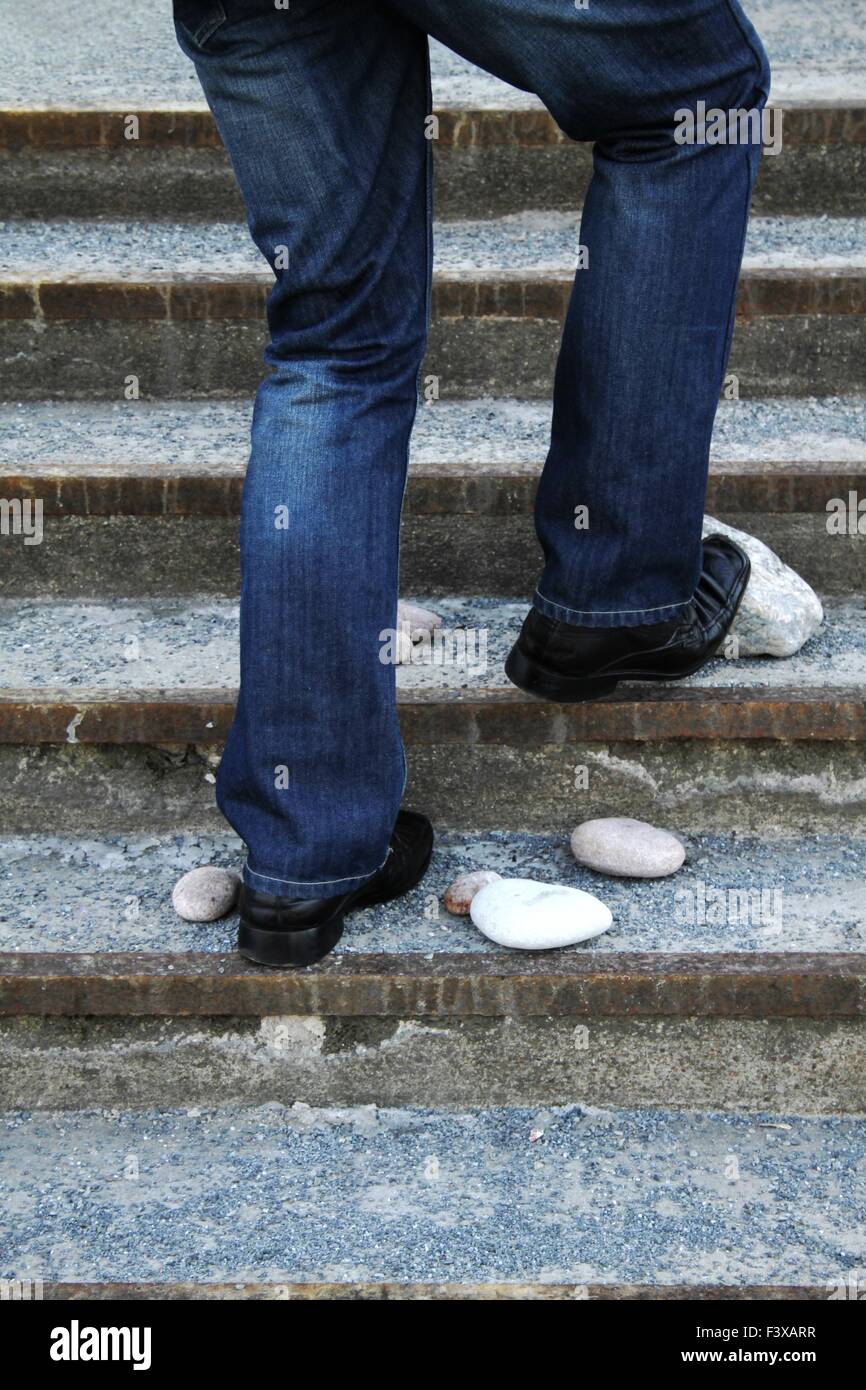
(428, 305)
(208, 26)
(316, 882)
(611, 612)
(747, 38)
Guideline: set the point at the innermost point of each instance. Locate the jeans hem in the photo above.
(305, 888)
(625, 617)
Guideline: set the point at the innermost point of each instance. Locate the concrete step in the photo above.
(109, 55)
(367, 1199)
(734, 1031)
(174, 646)
(179, 308)
(738, 984)
(489, 161)
(142, 498)
(497, 150)
(117, 712)
(382, 1291)
(106, 894)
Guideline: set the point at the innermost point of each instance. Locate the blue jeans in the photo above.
(322, 108)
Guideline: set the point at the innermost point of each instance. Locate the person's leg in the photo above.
(322, 108)
(649, 326)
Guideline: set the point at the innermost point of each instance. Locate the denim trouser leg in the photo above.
(322, 108)
(649, 326)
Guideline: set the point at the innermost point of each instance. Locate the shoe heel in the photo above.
(288, 948)
(550, 685)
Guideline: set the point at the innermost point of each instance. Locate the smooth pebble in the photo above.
(205, 894)
(459, 895)
(532, 916)
(625, 847)
(417, 619)
(779, 611)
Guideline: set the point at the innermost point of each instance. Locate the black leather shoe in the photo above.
(300, 931)
(563, 662)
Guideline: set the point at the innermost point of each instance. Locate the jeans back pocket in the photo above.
(199, 19)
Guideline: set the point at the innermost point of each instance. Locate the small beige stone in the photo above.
(627, 848)
(458, 897)
(205, 894)
(418, 620)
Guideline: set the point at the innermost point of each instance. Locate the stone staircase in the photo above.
(675, 1110)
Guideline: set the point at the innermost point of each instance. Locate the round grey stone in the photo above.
(627, 848)
(205, 894)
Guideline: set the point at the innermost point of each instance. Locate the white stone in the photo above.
(532, 916)
(626, 847)
(461, 892)
(205, 894)
(779, 611)
(418, 620)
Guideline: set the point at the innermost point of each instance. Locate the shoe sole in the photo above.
(545, 684)
(284, 949)
(292, 949)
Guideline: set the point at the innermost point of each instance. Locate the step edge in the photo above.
(465, 487)
(467, 124)
(812, 987)
(489, 715)
(394, 1291)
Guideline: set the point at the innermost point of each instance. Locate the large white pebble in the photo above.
(779, 611)
(626, 847)
(533, 916)
(458, 897)
(205, 894)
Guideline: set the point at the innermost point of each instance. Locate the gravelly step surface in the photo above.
(105, 471)
(109, 52)
(90, 305)
(213, 436)
(172, 645)
(647, 1196)
(529, 243)
(734, 893)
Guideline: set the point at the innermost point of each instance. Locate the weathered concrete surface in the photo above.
(109, 55)
(69, 651)
(106, 788)
(807, 893)
(790, 355)
(90, 304)
(122, 483)
(803, 1065)
(482, 716)
(472, 551)
(759, 787)
(384, 1292)
(401, 1196)
(392, 985)
(188, 457)
(479, 179)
